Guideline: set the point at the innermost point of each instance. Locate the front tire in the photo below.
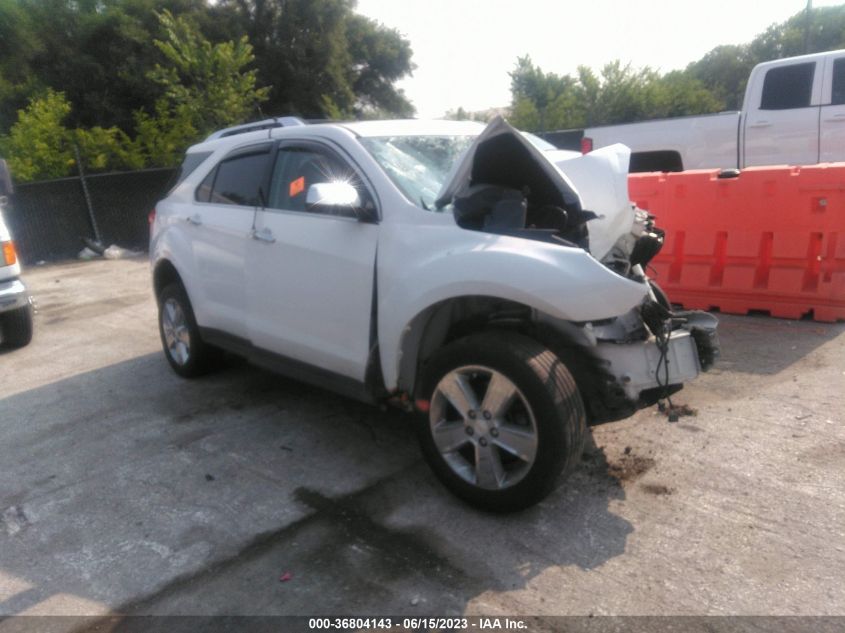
(187, 353)
(505, 420)
(17, 327)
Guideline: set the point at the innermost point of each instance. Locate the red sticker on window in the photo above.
(296, 186)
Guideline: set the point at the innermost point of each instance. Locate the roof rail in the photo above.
(266, 124)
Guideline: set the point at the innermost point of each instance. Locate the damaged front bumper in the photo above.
(658, 365)
(635, 359)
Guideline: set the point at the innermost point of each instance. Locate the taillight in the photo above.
(9, 254)
(586, 145)
(151, 216)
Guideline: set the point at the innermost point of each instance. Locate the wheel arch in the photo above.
(164, 274)
(446, 321)
(458, 317)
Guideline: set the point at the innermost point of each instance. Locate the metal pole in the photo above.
(87, 194)
(807, 19)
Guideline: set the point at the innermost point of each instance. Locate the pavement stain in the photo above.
(657, 489)
(630, 467)
(352, 523)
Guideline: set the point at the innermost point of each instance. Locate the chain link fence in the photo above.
(50, 219)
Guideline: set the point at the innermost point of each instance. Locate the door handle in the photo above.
(194, 219)
(836, 117)
(760, 124)
(264, 235)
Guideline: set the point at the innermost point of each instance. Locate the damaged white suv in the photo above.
(444, 266)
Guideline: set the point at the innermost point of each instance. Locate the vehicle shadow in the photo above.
(778, 343)
(132, 489)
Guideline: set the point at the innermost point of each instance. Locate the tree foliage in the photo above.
(145, 78)
(321, 58)
(133, 82)
(208, 81)
(39, 145)
(618, 94)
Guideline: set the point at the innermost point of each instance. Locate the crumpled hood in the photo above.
(501, 156)
(601, 180)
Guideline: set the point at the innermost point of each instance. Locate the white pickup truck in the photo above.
(793, 113)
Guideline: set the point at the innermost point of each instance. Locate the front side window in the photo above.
(418, 165)
(837, 96)
(787, 87)
(236, 180)
(297, 168)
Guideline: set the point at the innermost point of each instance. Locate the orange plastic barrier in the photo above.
(771, 240)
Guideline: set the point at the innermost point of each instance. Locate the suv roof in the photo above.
(255, 126)
(272, 128)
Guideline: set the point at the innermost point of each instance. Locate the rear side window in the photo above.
(837, 96)
(787, 87)
(236, 180)
(191, 162)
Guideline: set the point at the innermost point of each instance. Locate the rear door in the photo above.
(782, 118)
(310, 273)
(220, 226)
(832, 120)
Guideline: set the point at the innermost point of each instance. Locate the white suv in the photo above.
(15, 302)
(443, 266)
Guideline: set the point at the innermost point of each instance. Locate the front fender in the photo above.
(420, 266)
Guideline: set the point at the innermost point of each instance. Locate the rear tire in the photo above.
(17, 327)
(505, 420)
(187, 353)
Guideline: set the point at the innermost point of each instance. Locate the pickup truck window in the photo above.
(418, 165)
(787, 87)
(837, 96)
(235, 180)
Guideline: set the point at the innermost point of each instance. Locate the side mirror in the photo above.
(339, 198)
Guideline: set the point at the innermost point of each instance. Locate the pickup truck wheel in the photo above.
(16, 327)
(505, 420)
(183, 346)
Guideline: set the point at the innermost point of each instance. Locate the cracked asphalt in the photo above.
(125, 489)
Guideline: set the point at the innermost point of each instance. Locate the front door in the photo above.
(310, 274)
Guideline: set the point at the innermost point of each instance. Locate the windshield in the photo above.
(418, 165)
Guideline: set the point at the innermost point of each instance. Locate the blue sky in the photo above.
(464, 49)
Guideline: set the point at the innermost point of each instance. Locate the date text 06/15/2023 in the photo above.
(418, 624)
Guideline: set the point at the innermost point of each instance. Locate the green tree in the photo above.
(161, 139)
(39, 145)
(724, 71)
(321, 58)
(97, 52)
(618, 94)
(18, 44)
(107, 149)
(208, 80)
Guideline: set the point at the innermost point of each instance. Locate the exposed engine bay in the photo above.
(505, 185)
